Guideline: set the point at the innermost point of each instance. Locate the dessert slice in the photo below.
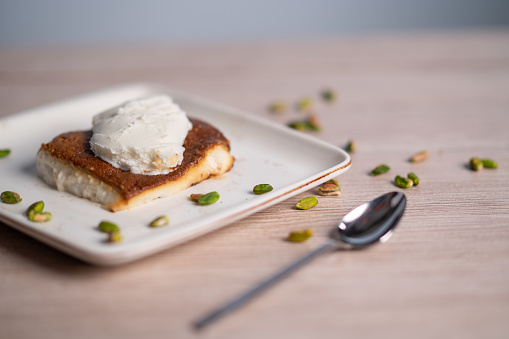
(68, 163)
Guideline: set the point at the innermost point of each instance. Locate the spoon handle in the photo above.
(240, 300)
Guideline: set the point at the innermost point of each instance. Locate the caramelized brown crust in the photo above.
(75, 148)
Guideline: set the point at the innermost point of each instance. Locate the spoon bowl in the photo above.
(373, 221)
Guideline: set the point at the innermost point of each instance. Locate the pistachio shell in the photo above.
(420, 156)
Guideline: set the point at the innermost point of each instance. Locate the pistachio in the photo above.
(114, 237)
(380, 169)
(332, 181)
(300, 235)
(307, 203)
(278, 107)
(208, 198)
(328, 95)
(420, 156)
(4, 152)
(351, 146)
(414, 178)
(108, 227)
(329, 189)
(195, 197)
(10, 197)
(36, 207)
(41, 217)
(262, 188)
(160, 221)
(304, 104)
(403, 182)
(476, 164)
(489, 163)
(310, 124)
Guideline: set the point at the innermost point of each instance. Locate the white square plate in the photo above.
(265, 152)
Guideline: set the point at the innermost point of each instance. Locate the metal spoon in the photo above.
(365, 225)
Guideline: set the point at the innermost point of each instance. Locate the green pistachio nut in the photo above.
(380, 169)
(208, 198)
(328, 95)
(300, 235)
(4, 152)
(489, 163)
(304, 104)
(402, 182)
(329, 189)
(332, 181)
(114, 237)
(414, 178)
(41, 217)
(160, 221)
(262, 188)
(476, 164)
(36, 207)
(10, 197)
(278, 107)
(351, 146)
(108, 227)
(307, 203)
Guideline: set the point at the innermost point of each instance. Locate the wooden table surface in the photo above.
(445, 273)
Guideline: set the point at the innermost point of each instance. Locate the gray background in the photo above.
(64, 22)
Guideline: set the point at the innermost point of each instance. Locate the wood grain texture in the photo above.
(444, 274)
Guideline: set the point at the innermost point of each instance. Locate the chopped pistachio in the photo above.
(195, 197)
(108, 227)
(414, 178)
(36, 207)
(114, 237)
(489, 163)
(4, 152)
(351, 146)
(307, 203)
(208, 198)
(403, 182)
(304, 104)
(329, 189)
(160, 221)
(41, 217)
(476, 164)
(262, 188)
(332, 181)
(10, 197)
(310, 124)
(380, 169)
(328, 95)
(420, 156)
(300, 235)
(278, 107)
